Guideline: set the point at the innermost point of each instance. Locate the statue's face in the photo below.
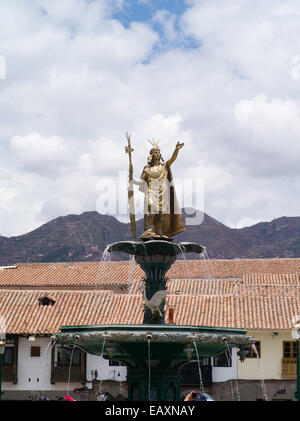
(156, 154)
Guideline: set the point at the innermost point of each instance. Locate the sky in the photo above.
(222, 77)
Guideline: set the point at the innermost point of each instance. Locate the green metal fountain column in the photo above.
(164, 387)
(154, 281)
(155, 258)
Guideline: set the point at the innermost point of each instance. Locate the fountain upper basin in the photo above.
(155, 247)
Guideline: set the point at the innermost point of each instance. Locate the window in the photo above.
(289, 349)
(35, 351)
(190, 373)
(205, 361)
(9, 340)
(250, 351)
(64, 356)
(114, 363)
(8, 356)
(223, 360)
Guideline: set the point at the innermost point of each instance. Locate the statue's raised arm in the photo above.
(175, 153)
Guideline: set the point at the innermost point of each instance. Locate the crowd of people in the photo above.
(192, 396)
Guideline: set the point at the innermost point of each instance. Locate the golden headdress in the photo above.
(154, 144)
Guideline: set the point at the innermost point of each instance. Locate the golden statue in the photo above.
(162, 215)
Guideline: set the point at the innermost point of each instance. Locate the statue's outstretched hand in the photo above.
(179, 145)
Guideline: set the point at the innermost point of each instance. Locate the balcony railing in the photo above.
(288, 368)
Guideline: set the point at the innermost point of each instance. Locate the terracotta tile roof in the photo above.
(249, 294)
(232, 268)
(248, 307)
(284, 291)
(233, 302)
(68, 274)
(201, 287)
(245, 312)
(95, 274)
(24, 315)
(250, 284)
(193, 287)
(274, 279)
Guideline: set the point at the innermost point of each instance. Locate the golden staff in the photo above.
(129, 150)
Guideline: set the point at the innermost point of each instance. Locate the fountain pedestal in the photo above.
(153, 352)
(155, 258)
(155, 268)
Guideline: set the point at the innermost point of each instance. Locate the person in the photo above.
(162, 215)
(43, 398)
(197, 396)
(66, 398)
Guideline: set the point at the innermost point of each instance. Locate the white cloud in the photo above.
(262, 114)
(271, 134)
(77, 80)
(295, 73)
(104, 157)
(38, 154)
(245, 221)
(167, 21)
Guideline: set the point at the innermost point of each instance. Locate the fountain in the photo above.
(154, 352)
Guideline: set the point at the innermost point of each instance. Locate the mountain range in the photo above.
(84, 238)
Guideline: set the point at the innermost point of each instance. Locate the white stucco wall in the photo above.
(223, 374)
(119, 373)
(271, 355)
(105, 371)
(34, 373)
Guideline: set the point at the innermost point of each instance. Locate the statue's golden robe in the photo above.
(161, 208)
